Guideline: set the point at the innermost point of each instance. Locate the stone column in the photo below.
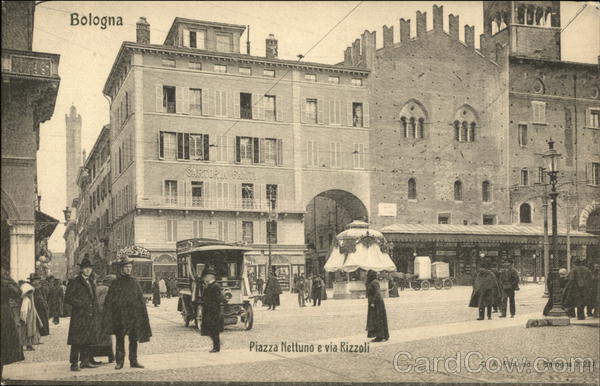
(22, 249)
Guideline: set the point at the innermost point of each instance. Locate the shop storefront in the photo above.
(286, 267)
(462, 246)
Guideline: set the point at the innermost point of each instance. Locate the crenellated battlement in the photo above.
(362, 52)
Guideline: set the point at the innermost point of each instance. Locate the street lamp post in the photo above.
(552, 156)
(271, 199)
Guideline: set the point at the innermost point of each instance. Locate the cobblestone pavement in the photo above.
(423, 315)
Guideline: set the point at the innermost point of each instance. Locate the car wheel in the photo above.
(425, 285)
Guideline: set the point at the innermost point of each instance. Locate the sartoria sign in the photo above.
(220, 174)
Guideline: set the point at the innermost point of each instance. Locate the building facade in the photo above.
(29, 86)
(204, 142)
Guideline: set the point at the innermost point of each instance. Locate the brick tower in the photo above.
(73, 153)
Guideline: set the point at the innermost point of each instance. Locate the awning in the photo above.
(504, 234)
(44, 225)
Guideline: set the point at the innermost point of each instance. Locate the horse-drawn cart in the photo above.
(428, 274)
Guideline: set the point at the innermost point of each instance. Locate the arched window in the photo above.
(412, 119)
(458, 194)
(486, 191)
(525, 213)
(465, 124)
(538, 87)
(412, 189)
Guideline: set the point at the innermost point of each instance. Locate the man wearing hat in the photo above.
(83, 327)
(509, 283)
(55, 299)
(125, 313)
(41, 304)
(212, 318)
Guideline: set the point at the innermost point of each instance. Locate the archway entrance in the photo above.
(327, 214)
(593, 226)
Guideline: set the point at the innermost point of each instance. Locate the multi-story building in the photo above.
(94, 215)
(29, 86)
(205, 137)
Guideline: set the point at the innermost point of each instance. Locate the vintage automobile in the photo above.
(193, 256)
(142, 267)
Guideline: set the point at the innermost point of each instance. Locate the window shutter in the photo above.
(186, 38)
(332, 119)
(255, 98)
(279, 152)
(261, 108)
(259, 195)
(308, 155)
(282, 197)
(588, 174)
(278, 108)
(366, 114)
(212, 103)
(349, 114)
(224, 107)
(186, 100)
(303, 111)
(161, 146)
(236, 105)
(261, 151)
(320, 112)
(180, 192)
(179, 99)
(225, 155)
(237, 150)
(206, 147)
(159, 98)
(262, 232)
(205, 101)
(325, 104)
(230, 104)
(256, 150)
(344, 114)
(232, 231)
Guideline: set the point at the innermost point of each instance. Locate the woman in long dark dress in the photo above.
(156, 293)
(272, 292)
(12, 350)
(377, 325)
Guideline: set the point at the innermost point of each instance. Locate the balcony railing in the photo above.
(196, 203)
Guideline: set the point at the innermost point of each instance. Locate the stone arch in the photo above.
(591, 209)
(165, 259)
(413, 117)
(539, 87)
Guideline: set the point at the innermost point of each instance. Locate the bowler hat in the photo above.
(34, 276)
(209, 271)
(85, 263)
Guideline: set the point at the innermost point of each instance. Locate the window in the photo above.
(357, 114)
(245, 105)
(248, 196)
(489, 219)
(270, 151)
(195, 66)
(183, 146)
(357, 82)
(335, 112)
(310, 77)
(171, 230)
(310, 109)
(412, 120)
(539, 112)
(253, 150)
(168, 63)
(196, 147)
(525, 213)
(269, 73)
(333, 80)
(248, 232)
(269, 106)
(170, 192)
(245, 154)
(465, 124)
(486, 191)
(220, 103)
(594, 118)
(197, 230)
(169, 99)
(524, 177)
(593, 170)
(224, 42)
(335, 154)
(311, 153)
(412, 189)
(197, 193)
(220, 68)
(195, 101)
(194, 39)
(245, 71)
(522, 135)
(272, 232)
(358, 156)
(444, 218)
(271, 194)
(458, 193)
(541, 175)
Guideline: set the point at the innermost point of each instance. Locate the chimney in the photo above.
(421, 23)
(438, 18)
(142, 31)
(470, 36)
(453, 26)
(271, 47)
(388, 36)
(348, 57)
(404, 30)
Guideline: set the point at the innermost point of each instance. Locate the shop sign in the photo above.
(220, 174)
(445, 253)
(490, 253)
(387, 209)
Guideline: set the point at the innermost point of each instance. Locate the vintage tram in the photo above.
(193, 256)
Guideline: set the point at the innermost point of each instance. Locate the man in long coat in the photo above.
(579, 288)
(55, 300)
(212, 317)
(126, 314)
(272, 292)
(300, 284)
(509, 283)
(377, 326)
(12, 350)
(104, 345)
(317, 290)
(485, 291)
(83, 327)
(41, 304)
(156, 293)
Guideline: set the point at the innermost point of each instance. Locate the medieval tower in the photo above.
(73, 153)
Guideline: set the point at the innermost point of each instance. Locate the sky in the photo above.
(88, 52)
